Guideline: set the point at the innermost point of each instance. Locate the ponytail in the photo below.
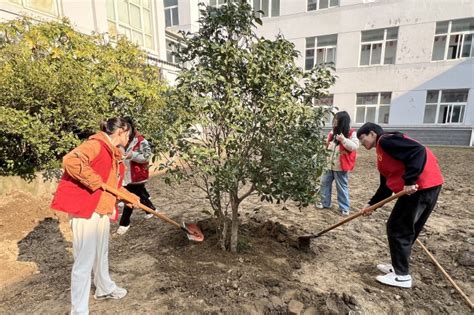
(112, 124)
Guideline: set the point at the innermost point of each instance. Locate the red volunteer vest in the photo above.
(346, 158)
(138, 171)
(73, 197)
(393, 170)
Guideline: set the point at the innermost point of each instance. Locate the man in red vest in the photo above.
(404, 164)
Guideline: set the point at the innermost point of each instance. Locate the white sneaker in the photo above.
(117, 294)
(385, 268)
(395, 281)
(148, 215)
(122, 229)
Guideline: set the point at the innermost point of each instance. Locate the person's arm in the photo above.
(77, 164)
(350, 144)
(382, 193)
(143, 155)
(411, 153)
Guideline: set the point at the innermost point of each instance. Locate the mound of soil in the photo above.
(165, 273)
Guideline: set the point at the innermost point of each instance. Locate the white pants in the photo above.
(90, 240)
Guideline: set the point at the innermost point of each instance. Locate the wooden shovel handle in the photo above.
(358, 214)
(127, 197)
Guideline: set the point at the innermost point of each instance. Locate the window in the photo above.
(322, 4)
(453, 40)
(445, 106)
(326, 102)
(373, 107)
(45, 6)
(132, 18)
(171, 47)
(171, 12)
(217, 3)
(269, 7)
(378, 46)
(320, 50)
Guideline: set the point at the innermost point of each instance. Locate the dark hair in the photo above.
(112, 124)
(343, 125)
(368, 127)
(129, 120)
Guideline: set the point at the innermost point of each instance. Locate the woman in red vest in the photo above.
(137, 158)
(342, 144)
(404, 164)
(95, 162)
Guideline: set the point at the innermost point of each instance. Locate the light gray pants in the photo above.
(91, 249)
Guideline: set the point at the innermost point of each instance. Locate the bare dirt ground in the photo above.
(164, 273)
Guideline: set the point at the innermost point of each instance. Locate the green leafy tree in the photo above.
(57, 84)
(247, 126)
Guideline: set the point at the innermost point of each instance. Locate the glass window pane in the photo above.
(323, 4)
(48, 6)
(275, 7)
(392, 33)
(454, 96)
(466, 47)
(125, 31)
(320, 56)
(168, 17)
(390, 51)
(324, 100)
(430, 114)
(265, 7)
(360, 114)
(149, 42)
(147, 21)
(175, 16)
(432, 96)
(311, 6)
(376, 54)
(385, 97)
(439, 47)
(456, 114)
(256, 5)
(442, 27)
(137, 38)
(372, 35)
(464, 25)
(370, 117)
(309, 62)
(365, 54)
(443, 116)
(112, 28)
(331, 55)
(110, 10)
(169, 3)
(367, 98)
(384, 112)
(328, 40)
(123, 11)
(453, 48)
(135, 20)
(334, 3)
(309, 42)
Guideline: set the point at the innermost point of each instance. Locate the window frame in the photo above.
(377, 107)
(450, 106)
(121, 25)
(23, 4)
(448, 34)
(270, 8)
(315, 50)
(383, 42)
(318, 2)
(170, 9)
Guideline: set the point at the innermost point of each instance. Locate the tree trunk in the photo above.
(235, 224)
(223, 233)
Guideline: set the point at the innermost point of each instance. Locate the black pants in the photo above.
(405, 223)
(140, 191)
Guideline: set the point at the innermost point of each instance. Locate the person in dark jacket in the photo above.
(404, 164)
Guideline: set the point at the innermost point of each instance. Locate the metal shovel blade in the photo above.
(193, 232)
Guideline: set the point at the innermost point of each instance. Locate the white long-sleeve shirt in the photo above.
(350, 144)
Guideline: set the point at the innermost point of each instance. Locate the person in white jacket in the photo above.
(136, 159)
(342, 143)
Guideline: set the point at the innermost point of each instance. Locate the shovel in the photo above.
(305, 240)
(193, 232)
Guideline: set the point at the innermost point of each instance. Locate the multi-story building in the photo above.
(142, 21)
(405, 64)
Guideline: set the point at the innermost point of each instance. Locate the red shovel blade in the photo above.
(193, 232)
